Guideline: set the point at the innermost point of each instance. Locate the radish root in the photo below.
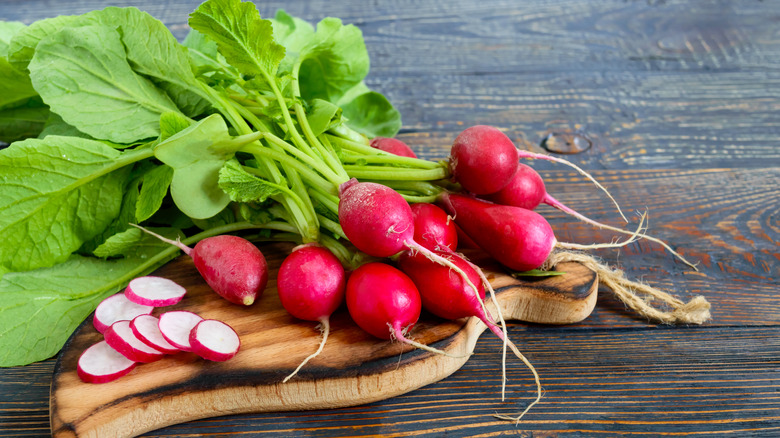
(397, 333)
(325, 329)
(639, 296)
(549, 200)
(533, 155)
(634, 236)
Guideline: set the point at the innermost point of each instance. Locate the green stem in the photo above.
(389, 159)
(396, 173)
(298, 154)
(306, 173)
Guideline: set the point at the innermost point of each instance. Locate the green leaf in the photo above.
(120, 243)
(323, 115)
(242, 36)
(294, 34)
(153, 190)
(22, 46)
(40, 309)
(56, 193)
(197, 154)
(242, 186)
(370, 113)
(536, 273)
(172, 123)
(23, 122)
(7, 30)
(333, 62)
(56, 126)
(83, 75)
(15, 86)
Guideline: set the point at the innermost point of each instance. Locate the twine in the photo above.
(638, 296)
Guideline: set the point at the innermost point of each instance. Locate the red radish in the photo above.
(483, 159)
(100, 364)
(122, 339)
(383, 301)
(443, 292)
(517, 238)
(433, 228)
(146, 328)
(527, 190)
(393, 146)
(214, 340)
(176, 325)
(154, 291)
(232, 266)
(115, 308)
(311, 283)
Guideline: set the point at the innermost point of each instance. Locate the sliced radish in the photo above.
(154, 291)
(122, 339)
(100, 364)
(116, 308)
(176, 325)
(214, 340)
(146, 328)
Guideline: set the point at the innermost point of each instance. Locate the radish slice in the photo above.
(116, 308)
(146, 328)
(121, 338)
(176, 325)
(100, 364)
(154, 291)
(214, 340)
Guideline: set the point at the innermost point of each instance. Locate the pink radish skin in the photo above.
(311, 284)
(122, 339)
(101, 364)
(176, 325)
(383, 301)
(232, 266)
(146, 328)
(443, 292)
(214, 340)
(517, 238)
(116, 308)
(525, 189)
(433, 228)
(375, 218)
(154, 291)
(483, 159)
(393, 146)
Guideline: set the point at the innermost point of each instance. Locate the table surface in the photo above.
(679, 101)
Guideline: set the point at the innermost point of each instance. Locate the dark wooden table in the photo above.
(680, 102)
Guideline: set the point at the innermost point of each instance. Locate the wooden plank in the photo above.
(710, 381)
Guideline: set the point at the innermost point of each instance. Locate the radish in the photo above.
(146, 328)
(433, 228)
(232, 266)
(214, 340)
(443, 292)
(311, 283)
(384, 302)
(176, 325)
(526, 190)
(122, 339)
(100, 364)
(517, 238)
(483, 159)
(393, 146)
(115, 308)
(154, 291)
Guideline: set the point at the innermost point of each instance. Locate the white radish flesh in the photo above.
(116, 308)
(214, 340)
(100, 364)
(146, 328)
(176, 325)
(154, 291)
(122, 339)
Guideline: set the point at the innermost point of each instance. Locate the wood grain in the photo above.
(680, 99)
(354, 368)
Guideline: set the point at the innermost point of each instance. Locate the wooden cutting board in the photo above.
(354, 368)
